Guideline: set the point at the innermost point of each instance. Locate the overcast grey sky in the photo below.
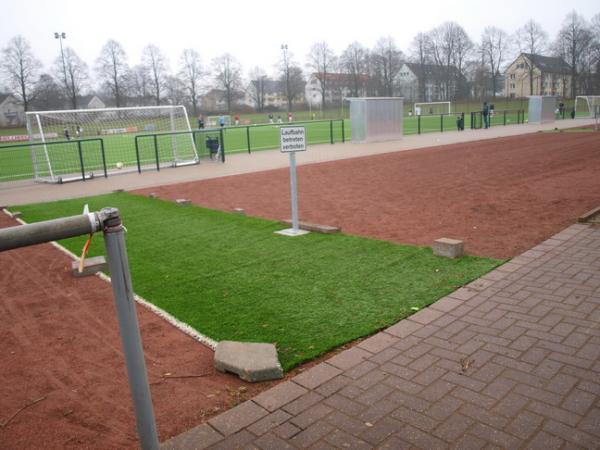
(253, 31)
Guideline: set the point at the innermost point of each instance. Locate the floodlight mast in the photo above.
(60, 37)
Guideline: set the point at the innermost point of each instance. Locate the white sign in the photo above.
(293, 139)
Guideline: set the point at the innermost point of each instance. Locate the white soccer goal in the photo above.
(73, 144)
(585, 105)
(215, 121)
(429, 108)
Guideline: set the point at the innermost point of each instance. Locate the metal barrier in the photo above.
(52, 166)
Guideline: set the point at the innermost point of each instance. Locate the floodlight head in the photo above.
(55, 35)
(64, 35)
(284, 46)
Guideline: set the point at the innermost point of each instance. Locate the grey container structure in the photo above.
(541, 109)
(376, 118)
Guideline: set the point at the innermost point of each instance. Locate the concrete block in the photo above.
(16, 214)
(183, 201)
(590, 216)
(450, 248)
(327, 229)
(239, 211)
(90, 266)
(250, 361)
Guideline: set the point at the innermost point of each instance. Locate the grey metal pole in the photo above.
(294, 192)
(130, 332)
(49, 230)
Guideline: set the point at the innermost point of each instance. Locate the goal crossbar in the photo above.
(422, 105)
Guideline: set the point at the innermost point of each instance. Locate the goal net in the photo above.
(215, 121)
(585, 105)
(73, 144)
(429, 108)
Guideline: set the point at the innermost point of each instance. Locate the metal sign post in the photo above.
(293, 139)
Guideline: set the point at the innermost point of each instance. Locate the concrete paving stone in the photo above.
(198, 438)
(346, 423)
(495, 436)
(378, 342)
(422, 439)
(303, 402)
(311, 415)
(378, 411)
(279, 395)
(570, 434)
(469, 442)
(312, 433)
(553, 412)
(464, 293)
(341, 439)
(270, 441)
(373, 394)
(269, 422)
(237, 418)
(316, 375)
(349, 358)
(237, 440)
(341, 403)
(334, 385)
(454, 427)
(381, 430)
(483, 416)
(286, 430)
(524, 425)
(251, 361)
(478, 399)
(371, 378)
(360, 369)
(545, 441)
(426, 316)
(403, 328)
(579, 401)
(443, 408)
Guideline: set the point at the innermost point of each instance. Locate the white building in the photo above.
(338, 86)
(12, 113)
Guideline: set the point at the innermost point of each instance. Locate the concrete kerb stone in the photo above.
(590, 216)
(251, 361)
(91, 266)
(197, 438)
(326, 229)
(449, 248)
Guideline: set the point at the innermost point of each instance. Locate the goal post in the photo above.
(585, 105)
(429, 108)
(117, 127)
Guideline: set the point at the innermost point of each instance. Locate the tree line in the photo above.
(465, 68)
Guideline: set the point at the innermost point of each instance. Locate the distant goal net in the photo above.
(73, 144)
(586, 106)
(431, 108)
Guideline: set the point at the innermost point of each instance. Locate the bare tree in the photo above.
(175, 90)
(533, 40)
(449, 48)
(321, 60)
(494, 46)
(157, 70)
(48, 94)
(258, 87)
(286, 64)
(419, 55)
(574, 43)
(387, 60)
(353, 62)
(139, 83)
(74, 74)
(20, 68)
(294, 84)
(112, 70)
(228, 77)
(191, 73)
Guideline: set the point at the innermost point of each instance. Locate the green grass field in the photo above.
(16, 162)
(231, 277)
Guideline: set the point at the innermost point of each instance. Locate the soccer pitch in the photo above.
(16, 161)
(231, 277)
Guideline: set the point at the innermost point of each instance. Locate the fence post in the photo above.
(248, 139)
(343, 132)
(504, 117)
(441, 123)
(221, 135)
(419, 124)
(81, 160)
(156, 153)
(331, 131)
(137, 154)
(104, 157)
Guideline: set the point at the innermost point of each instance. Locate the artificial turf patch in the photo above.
(230, 277)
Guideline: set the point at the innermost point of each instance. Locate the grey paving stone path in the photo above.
(510, 361)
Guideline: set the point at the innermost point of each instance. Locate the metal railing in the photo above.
(54, 161)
